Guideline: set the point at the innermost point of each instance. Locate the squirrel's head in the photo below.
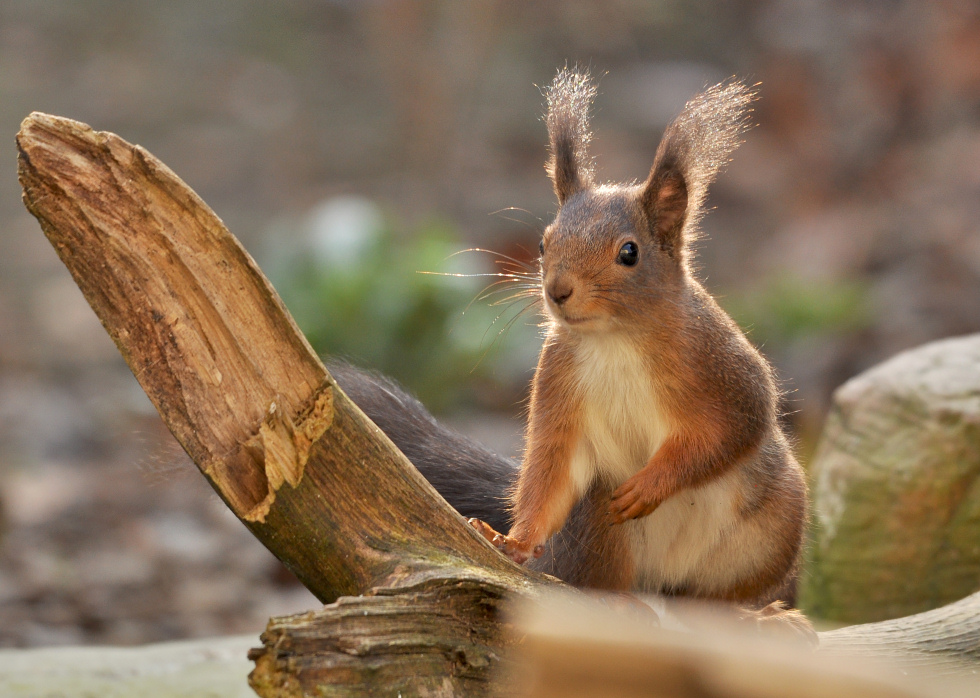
(614, 250)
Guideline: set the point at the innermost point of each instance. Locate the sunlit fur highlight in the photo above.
(569, 166)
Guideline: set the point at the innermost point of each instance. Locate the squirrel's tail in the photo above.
(473, 479)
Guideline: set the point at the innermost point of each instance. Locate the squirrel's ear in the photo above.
(569, 99)
(694, 148)
(665, 200)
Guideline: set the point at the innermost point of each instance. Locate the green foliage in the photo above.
(398, 305)
(787, 309)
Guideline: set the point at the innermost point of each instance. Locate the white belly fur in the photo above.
(623, 426)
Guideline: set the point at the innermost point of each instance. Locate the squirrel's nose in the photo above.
(559, 291)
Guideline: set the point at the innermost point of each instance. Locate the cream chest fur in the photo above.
(623, 425)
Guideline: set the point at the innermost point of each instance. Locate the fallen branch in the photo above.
(238, 385)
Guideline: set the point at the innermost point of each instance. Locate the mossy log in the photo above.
(236, 382)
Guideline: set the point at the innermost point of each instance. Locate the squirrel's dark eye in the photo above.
(541, 247)
(628, 254)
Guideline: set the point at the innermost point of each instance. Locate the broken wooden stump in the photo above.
(236, 382)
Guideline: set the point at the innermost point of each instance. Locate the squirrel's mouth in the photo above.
(570, 319)
(575, 321)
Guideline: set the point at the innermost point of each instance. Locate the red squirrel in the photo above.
(651, 414)
(654, 459)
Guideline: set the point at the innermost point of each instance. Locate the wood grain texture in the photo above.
(198, 324)
(444, 635)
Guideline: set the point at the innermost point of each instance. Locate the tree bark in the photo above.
(236, 382)
(441, 639)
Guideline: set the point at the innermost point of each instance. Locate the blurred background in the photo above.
(351, 144)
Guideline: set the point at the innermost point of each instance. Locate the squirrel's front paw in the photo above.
(635, 498)
(511, 547)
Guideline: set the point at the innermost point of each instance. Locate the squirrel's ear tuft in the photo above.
(569, 98)
(694, 148)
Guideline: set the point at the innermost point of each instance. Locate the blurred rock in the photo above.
(896, 488)
(214, 667)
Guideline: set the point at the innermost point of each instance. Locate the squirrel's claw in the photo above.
(510, 547)
(483, 528)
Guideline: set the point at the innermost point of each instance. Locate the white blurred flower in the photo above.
(343, 229)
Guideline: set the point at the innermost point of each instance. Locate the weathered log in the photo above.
(212, 345)
(577, 647)
(236, 382)
(438, 639)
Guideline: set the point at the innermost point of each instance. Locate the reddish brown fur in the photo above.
(694, 380)
(542, 504)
